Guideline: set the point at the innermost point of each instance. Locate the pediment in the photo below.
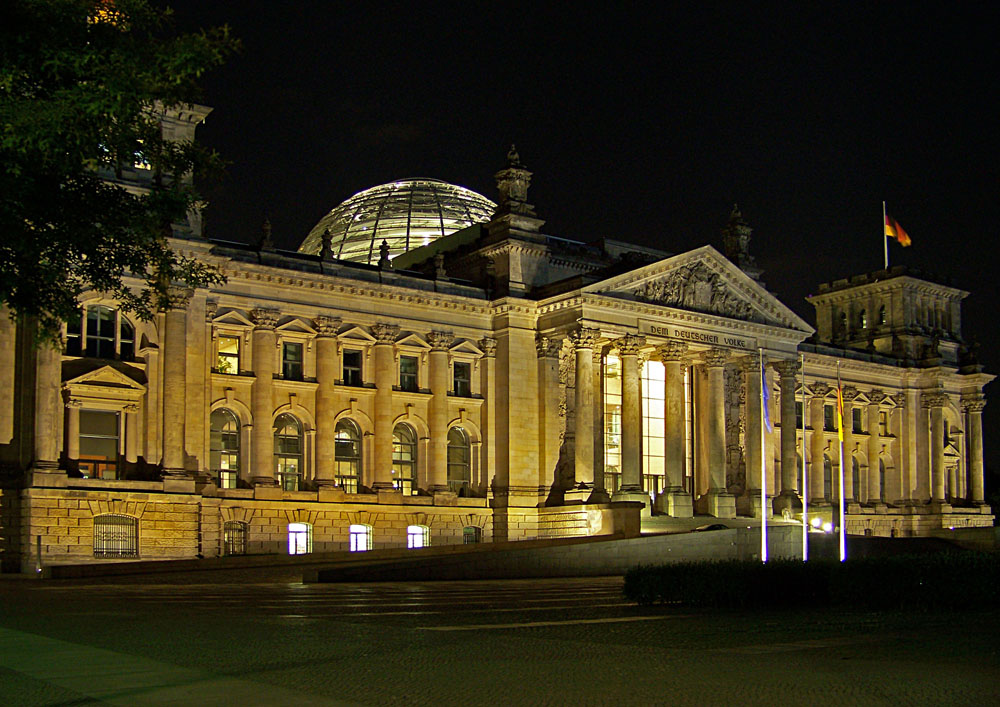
(703, 281)
(99, 375)
(356, 334)
(232, 317)
(466, 347)
(296, 325)
(413, 341)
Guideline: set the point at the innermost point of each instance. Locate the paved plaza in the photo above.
(266, 639)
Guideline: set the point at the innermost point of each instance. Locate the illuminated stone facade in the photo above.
(497, 384)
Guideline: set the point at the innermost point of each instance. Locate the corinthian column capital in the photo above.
(716, 357)
(327, 326)
(264, 317)
(488, 345)
(440, 340)
(672, 351)
(585, 337)
(385, 333)
(630, 344)
(787, 368)
(973, 403)
(547, 346)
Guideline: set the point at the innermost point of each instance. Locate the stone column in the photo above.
(548, 409)
(440, 342)
(817, 445)
(73, 430)
(385, 370)
(131, 433)
(631, 487)
(488, 346)
(718, 503)
(751, 365)
(583, 340)
(973, 406)
(262, 396)
(849, 393)
(934, 402)
(789, 498)
(678, 502)
(600, 492)
(326, 374)
(174, 384)
(875, 491)
(8, 358)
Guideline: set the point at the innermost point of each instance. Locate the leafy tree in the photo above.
(83, 84)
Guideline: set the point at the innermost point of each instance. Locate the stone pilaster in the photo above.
(583, 340)
(876, 494)
(851, 494)
(262, 396)
(385, 369)
(934, 401)
(677, 501)
(973, 406)
(73, 431)
(718, 502)
(131, 433)
(487, 369)
(631, 486)
(440, 342)
(600, 492)
(548, 349)
(174, 383)
(326, 374)
(789, 498)
(817, 446)
(8, 357)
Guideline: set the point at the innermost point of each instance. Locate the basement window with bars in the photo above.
(116, 536)
(234, 537)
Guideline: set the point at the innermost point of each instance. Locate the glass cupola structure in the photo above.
(407, 214)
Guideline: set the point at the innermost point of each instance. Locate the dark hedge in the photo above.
(938, 581)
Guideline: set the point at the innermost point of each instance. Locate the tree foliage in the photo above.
(83, 84)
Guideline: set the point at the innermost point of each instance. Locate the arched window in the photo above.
(863, 319)
(881, 314)
(100, 332)
(347, 455)
(827, 478)
(116, 536)
(234, 537)
(361, 538)
(300, 540)
(224, 456)
(418, 536)
(404, 459)
(459, 471)
(881, 480)
(288, 451)
(855, 478)
(843, 323)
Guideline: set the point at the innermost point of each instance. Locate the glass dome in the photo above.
(407, 214)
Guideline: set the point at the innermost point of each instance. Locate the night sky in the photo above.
(643, 125)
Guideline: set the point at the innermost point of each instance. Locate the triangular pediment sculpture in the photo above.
(296, 325)
(703, 281)
(466, 347)
(232, 318)
(89, 373)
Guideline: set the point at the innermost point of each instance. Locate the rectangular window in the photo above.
(229, 355)
(653, 391)
(99, 444)
(463, 379)
(291, 361)
(234, 538)
(857, 421)
(798, 414)
(883, 423)
(361, 538)
(418, 536)
(612, 423)
(472, 535)
(352, 368)
(408, 373)
(829, 418)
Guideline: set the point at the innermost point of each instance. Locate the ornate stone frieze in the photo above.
(699, 288)
(585, 337)
(440, 340)
(264, 317)
(327, 326)
(488, 345)
(385, 333)
(672, 351)
(716, 357)
(630, 344)
(547, 346)
(973, 403)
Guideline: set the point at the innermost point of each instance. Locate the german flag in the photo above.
(894, 230)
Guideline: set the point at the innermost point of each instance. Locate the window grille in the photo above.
(234, 537)
(472, 535)
(116, 536)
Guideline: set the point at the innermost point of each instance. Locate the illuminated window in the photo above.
(100, 332)
(228, 360)
(404, 459)
(463, 379)
(99, 444)
(291, 361)
(361, 538)
(459, 457)
(408, 373)
(863, 319)
(288, 451)
(612, 423)
(472, 535)
(224, 455)
(299, 539)
(352, 368)
(418, 536)
(347, 455)
(883, 423)
(116, 536)
(881, 314)
(234, 537)
(653, 387)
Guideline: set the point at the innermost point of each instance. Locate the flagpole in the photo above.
(840, 429)
(805, 485)
(885, 238)
(763, 466)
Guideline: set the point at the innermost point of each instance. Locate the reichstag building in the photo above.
(431, 367)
